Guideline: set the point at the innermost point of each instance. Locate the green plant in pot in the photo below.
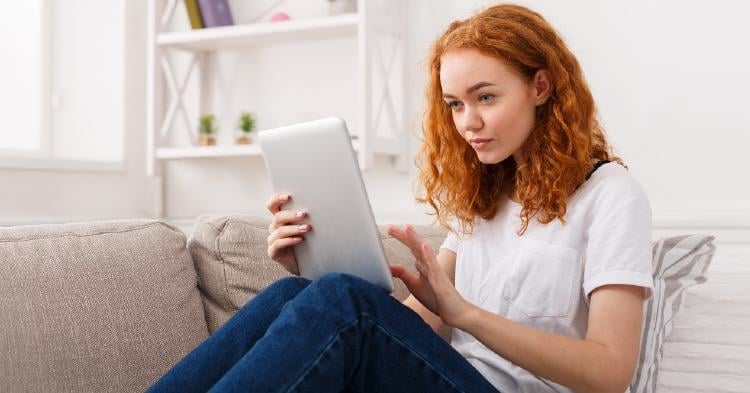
(245, 127)
(207, 130)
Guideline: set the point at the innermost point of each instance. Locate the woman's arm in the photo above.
(602, 362)
(447, 261)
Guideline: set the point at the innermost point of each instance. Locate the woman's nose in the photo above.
(472, 119)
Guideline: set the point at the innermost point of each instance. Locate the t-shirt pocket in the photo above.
(542, 279)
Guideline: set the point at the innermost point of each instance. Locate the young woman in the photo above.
(542, 276)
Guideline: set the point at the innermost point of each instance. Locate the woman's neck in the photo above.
(512, 196)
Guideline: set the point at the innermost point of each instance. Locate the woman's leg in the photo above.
(343, 333)
(203, 366)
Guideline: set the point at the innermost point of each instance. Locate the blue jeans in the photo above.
(337, 333)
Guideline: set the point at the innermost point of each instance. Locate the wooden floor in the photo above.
(709, 348)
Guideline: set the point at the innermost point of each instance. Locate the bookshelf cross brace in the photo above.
(168, 13)
(386, 98)
(177, 92)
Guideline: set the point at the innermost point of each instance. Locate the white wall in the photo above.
(669, 77)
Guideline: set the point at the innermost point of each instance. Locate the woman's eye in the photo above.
(454, 104)
(486, 97)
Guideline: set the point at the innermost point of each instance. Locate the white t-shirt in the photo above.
(543, 278)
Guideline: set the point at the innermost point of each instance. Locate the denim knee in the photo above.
(348, 283)
(291, 283)
(340, 279)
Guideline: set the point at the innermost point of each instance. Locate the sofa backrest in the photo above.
(95, 307)
(230, 256)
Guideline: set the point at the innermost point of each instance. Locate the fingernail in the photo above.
(284, 197)
(300, 213)
(304, 228)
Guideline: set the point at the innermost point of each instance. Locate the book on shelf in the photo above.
(194, 14)
(215, 13)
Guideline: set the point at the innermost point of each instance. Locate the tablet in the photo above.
(316, 164)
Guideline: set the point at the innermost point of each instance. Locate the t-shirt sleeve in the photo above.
(451, 241)
(619, 245)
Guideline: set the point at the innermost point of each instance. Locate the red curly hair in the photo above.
(560, 151)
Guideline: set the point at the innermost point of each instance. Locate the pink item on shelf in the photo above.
(280, 16)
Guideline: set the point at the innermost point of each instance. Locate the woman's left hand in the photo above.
(433, 288)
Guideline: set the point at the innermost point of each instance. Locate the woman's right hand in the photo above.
(286, 232)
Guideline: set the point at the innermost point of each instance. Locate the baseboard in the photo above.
(713, 218)
(722, 235)
(729, 226)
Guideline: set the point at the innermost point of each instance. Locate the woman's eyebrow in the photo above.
(471, 89)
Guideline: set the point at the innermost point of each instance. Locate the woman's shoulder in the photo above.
(611, 183)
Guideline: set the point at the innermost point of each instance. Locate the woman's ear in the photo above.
(542, 85)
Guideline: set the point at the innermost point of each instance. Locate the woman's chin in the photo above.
(488, 158)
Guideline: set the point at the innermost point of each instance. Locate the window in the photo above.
(22, 72)
(63, 90)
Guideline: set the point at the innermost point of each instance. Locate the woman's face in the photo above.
(493, 106)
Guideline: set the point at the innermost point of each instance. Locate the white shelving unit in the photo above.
(379, 27)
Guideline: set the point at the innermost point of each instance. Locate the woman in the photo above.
(543, 275)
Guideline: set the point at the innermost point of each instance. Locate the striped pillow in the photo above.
(679, 263)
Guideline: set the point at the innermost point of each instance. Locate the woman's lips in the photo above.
(480, 143)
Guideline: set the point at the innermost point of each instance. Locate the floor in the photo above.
(709, 348)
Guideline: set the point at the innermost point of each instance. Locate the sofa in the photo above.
(110, 306)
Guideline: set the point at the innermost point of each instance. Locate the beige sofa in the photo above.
(111, 306)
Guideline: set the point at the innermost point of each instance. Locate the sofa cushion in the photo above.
(679, 262)
(230, 257)
(93, 307)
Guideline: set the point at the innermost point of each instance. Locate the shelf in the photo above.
(226, 37)
(176, 153)
(179, 153)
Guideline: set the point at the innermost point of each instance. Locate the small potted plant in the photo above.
(207, 131)
(245, 127)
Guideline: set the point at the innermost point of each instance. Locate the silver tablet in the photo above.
(316, 164)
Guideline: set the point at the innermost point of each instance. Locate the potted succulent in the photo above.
(207, 130)
(245, 127)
